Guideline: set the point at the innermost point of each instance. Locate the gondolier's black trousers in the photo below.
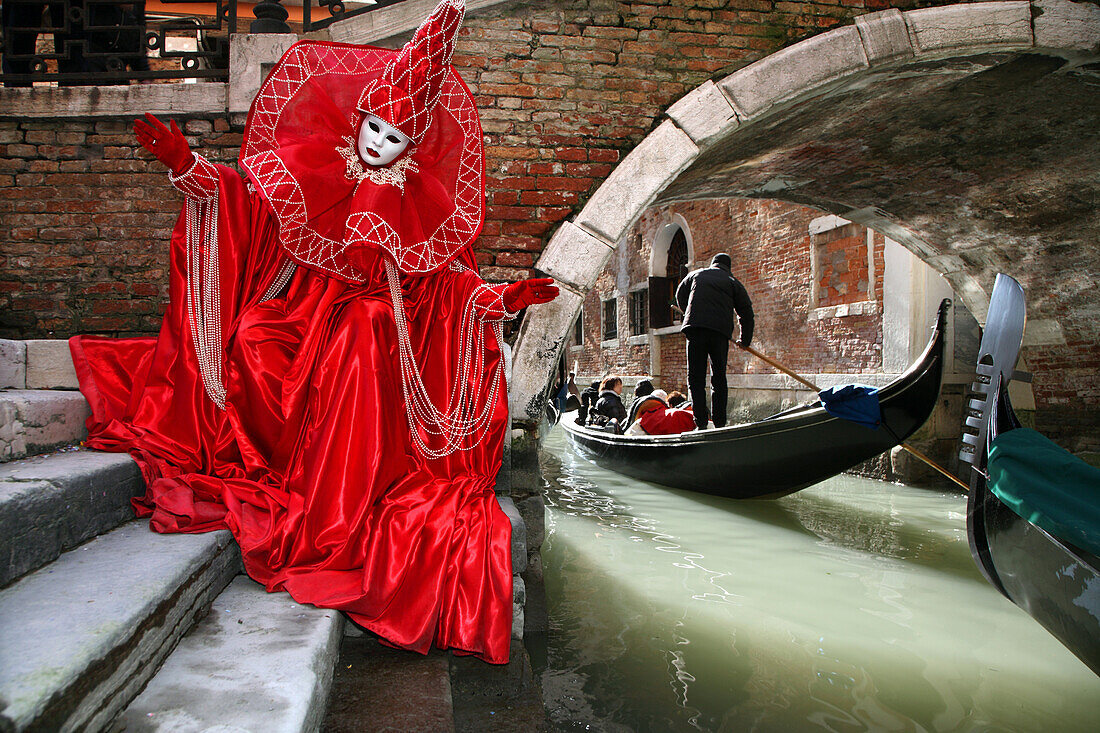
(703, 344)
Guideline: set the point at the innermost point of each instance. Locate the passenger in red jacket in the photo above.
(669, 421)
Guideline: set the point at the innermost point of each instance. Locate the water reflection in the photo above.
(850, 606)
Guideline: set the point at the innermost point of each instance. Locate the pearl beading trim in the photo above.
(462, 417)
(280, 281)
(199, 182)
(203, 296)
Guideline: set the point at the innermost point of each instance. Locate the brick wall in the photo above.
(770, 244)
(85, 217)
(565, 89)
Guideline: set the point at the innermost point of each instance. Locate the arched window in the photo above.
(662, 290)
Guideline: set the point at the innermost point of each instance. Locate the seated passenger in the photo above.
(669, 421)
(650, 403)
(677, 399)
(610, 404)
(633, 414)
(589, 397)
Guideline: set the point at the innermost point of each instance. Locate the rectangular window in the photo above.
(610, 319)
(842, 264)
(578, 329)
(639, 312)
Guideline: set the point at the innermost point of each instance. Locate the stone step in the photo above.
(49, 504)
(36, 364)
(34, 421)
(382, 689)
(80, 637)
(258, 662)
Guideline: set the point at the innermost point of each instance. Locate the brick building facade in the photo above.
(817, 285)
(833, 300)
(564, 89)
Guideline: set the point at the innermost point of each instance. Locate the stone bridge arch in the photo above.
(896, 122)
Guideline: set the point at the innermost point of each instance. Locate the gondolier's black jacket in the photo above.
(709, 297)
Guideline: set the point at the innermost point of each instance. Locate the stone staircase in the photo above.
(106, 625)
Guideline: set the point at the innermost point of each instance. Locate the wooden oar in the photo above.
(912, 451)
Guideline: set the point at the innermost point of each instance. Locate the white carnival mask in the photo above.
(380, 143)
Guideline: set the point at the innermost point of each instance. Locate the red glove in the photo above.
(518, 296)
(167, 145)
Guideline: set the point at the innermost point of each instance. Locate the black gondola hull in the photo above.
(777, 456)
(1055, 582)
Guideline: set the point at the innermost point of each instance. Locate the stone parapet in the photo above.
(37, 421)
(795, 70)
(636, 181)
(13, 364)
(50, 365)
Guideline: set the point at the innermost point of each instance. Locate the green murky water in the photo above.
(850, 606)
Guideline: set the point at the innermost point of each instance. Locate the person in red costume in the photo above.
(302, 299)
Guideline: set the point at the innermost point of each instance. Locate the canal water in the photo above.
(850, 606)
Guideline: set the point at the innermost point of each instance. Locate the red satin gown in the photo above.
(311, 465)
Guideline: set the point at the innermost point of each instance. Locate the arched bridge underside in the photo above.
(969, 133)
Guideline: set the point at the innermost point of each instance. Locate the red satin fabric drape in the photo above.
(311, 465)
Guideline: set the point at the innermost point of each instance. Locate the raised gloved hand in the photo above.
(168, 145)
(519, 295)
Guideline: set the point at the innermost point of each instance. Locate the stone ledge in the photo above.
(202, 98)
(13, 364)
(50, 504)
(637, 180)
(519, 534)
(251, 58)
(771, 382)
(395, 20)
(574, 256)
(992, 25)
(540, 340)
(796, 70)
(50, 365)
(704, 113)
(860, 308)
(1064, 25)
(81, 637)
(38, 421)
(259, 661)
(885, 36)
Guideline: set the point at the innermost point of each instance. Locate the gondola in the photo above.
(779, 454)
(1054, 581)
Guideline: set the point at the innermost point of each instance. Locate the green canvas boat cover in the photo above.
(1048, 486)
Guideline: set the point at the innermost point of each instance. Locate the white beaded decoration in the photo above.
(280, 281)
(203, 299)
(463, 417)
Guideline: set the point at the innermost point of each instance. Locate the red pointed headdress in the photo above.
(335, 212)
(409, 87)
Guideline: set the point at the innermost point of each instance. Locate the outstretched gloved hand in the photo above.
(519, 295)
(167, 145)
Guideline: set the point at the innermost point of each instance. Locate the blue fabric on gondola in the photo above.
(855, 402)
(1047, 485)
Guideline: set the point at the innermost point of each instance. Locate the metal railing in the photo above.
(86, 42)
(338, 11)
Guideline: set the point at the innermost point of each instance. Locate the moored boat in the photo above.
(779, 454)
(1045, 570)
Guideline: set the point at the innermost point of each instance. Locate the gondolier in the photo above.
(709, 297)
